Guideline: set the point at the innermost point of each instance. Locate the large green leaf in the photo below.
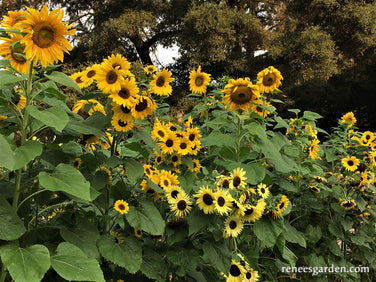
(63, 79)
(25, 264)
(267, 231)
(11, 226)
(146, 217)
(7, 159)
(72, 264)
(134, 170)
(52, 117)
(6, 77)
(218, 255)
(26, 153)
(127, 254)
(67, 179)
(187, 259)
(80, 127)
(154, 266)
(294, 236)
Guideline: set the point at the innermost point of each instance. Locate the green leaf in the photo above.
(81, 127)
(146, 137)
(67, 179)
(154, 266)
(267, 231)
(52, 117)
(336, 230)
(311, 115)
(54, 93)
(218, 255)
(333, 247)
(146, 217)
(84, 236)
(313, 234)
(26, 153)
(294, 236)
(186, 259)
(7, 159)
(7, 78)
(25, 264)
(217, 138)
(71, 148)
(5, 63)
(197, 221)
(134, 170)
(63, 79)
(11, 226)
(127, 254)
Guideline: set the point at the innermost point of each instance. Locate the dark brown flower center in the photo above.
(248, 211)
(241, 95)
(141, 105)
(174, 194)
(236, 181)
(225, 183)
(232, 224)
(183, 146)
(159, 159)
(90, 73)
(76, 163)
(182, 205)
(116, 65)
(234, 270)
(166, 183)
(173, 128)
(169, 143)
(78, 79)
(174, 159)
(221, 201)
(281, 205)
(248, 275)
(208, 199)
(121, 123)
(124, 93)
(111, 77)
(262, 190)
(199, 81)
(161, 133)
(348, 204)
(191, 137)
(121, 207)
(269, 79)
(350, 163)
(43, 35)
(160, 81)
(125, 110)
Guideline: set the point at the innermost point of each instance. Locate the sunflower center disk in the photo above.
(221, 201)
(141, 105)
(350, 163)
(192, 137)
(225, 184)
(269, 79)
(248, 275)
(183, 146)
(199, 81)
(161, 133)
(43, 36)
(121, 123)
(14, 53)
(236, 181)
(121, 207)
(111, 77)
(169, 143)
(174, 194)
(125, 110)
(241, 95)
(79, 80)
(234, 270)
(208, 200)
(124, 93)
(160, 81)
(232, 224)
(90, 74)
(248, 211)
(182, 205)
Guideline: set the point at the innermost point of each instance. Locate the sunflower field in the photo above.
(118, 189)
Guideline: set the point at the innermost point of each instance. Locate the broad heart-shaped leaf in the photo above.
(25, 264)
(218, 255)
(267, 231)
(11, 226)
(7, 159)
(52, 117)
(63, 79)
(127, 254)
(294, 236)
(72, 264)
(6, 77)
(134, 170)
(67, 179)
(26, 153)
(154, 266)
(146, 217)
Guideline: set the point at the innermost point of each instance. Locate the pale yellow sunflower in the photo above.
(44, 40)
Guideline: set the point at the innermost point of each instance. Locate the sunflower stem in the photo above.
(3, 273)
(238, 138)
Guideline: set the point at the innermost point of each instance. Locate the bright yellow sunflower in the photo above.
(121, 111)
(126, 96)
(159, 131)
(251, 276)
(283, 203)
(19, 101)
(12, 19)
(160, 85)
(269, 79)
(121, 206)
(181, 206)
(313, 150)
(205, 200)
(122, 124)
(366, 138)
(149, 191)
(90, 74)
(173, 192)
(109, 79)
(263, 191)
(237, 178)
(233, 226)
(44, 40)
(195, 147)
(240, 94)
(150, 69)
(170, 144)
(198, 81)
(349, 204)
(253, 213)
(143, 107)
(16, 54)
(236, 272)
(257, 107)
(223, 182)
(350, 163)
(175, 159)
(183, 147)
(78, 77)
(168, 173)
(222, 202)
(193, 134)
(348, 119)
(119, 62)
(91, 106)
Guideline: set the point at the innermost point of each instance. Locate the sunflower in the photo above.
(107, 171)
(366, 138)
(198, 81)
(121, 206)
(263, 191)
(223, 182)
(159, 158)
(119, 62)
(143, 107)
(348, 205)
(348, 119)
(122, 124)
(247, 195)
(160, 85)
(173, 178)
(251, 276)
(122, 112)
(222, 202)
(236, 272)
(205, 199)
(44, 40)
(90, 74)
(240, 94)
(283, 203)
(175, 159)
(170, 144)
(183, 147)
(173, 192)
(159, 131)
(150, 69)
(149, 191)
(91, 104)
(126, 96)
(138, 232)
(189, 122)
(13, 18)
(118, 238)
(233, 226)
(253, 213)
(258, 107)
(165, 182)
(14, 52)
(350, 163)
(196, 166)
(181, 206)
(237, 178)
(193, 134)
(78, 78)
(195, 147)
(77, 163)
(109, 79)
(19, 101)
(315, 189)
(313, 150)
(1, 119)
(269, 79)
